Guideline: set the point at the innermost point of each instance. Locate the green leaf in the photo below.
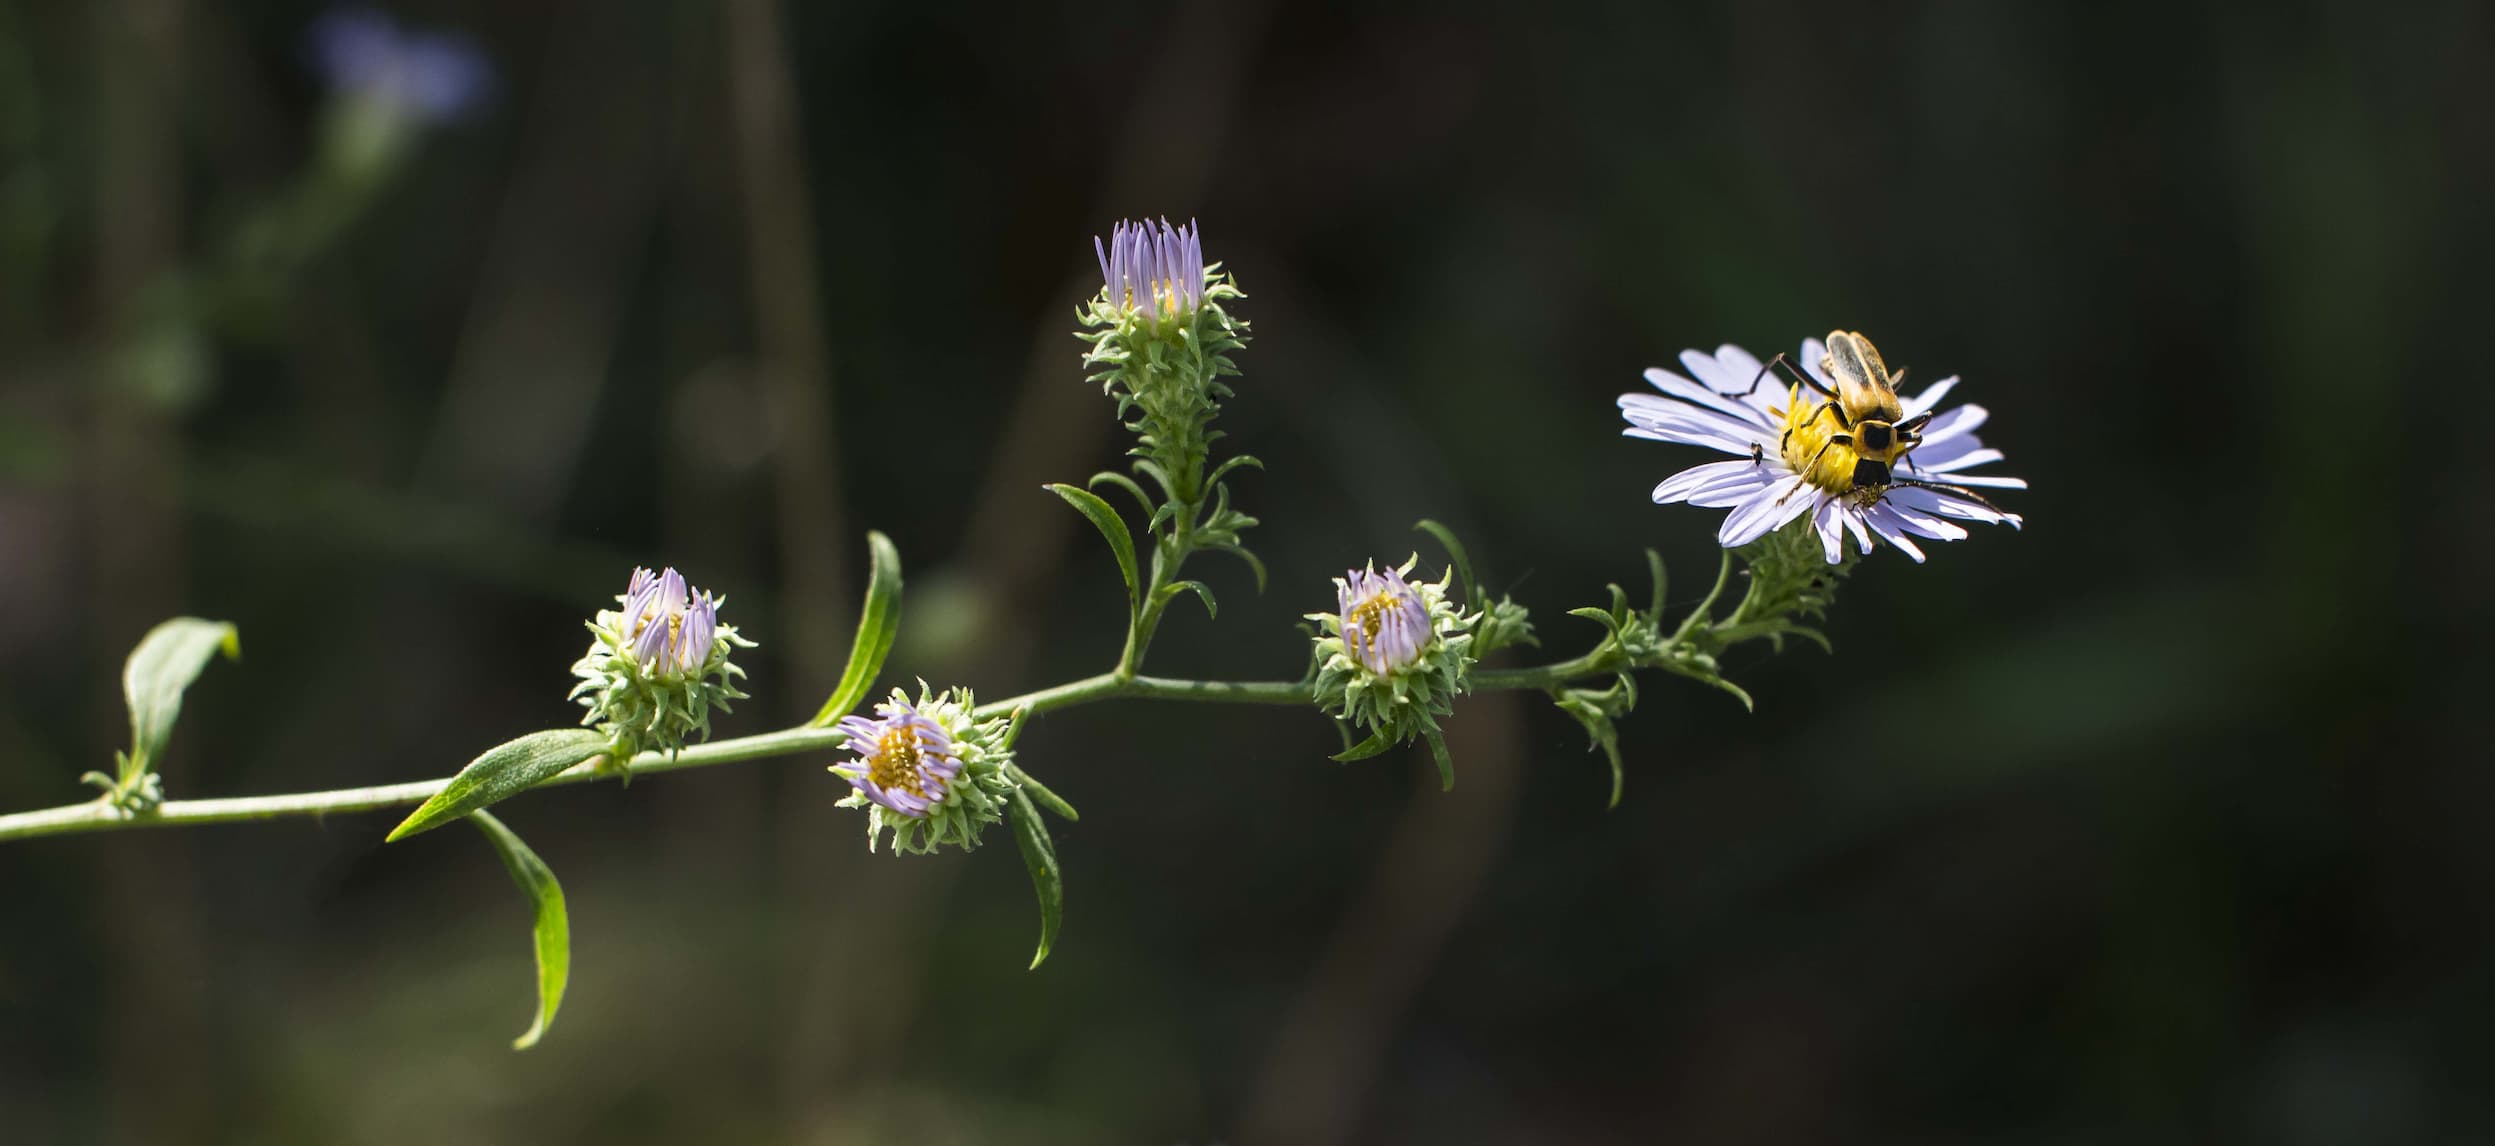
(1455, 554)
(1040, 856)
(1202, 591)
(1040, 793)
(553, 929)
(1654, 566)
(1601, 617)
(879, 621)
(504, 771)
(1446, 763)
(1105, 519)
(1728, 686)
(1376, 743)
(165, 662)
(1223, 470)
(1125, 483)
(1241, 552)
(1611, 748)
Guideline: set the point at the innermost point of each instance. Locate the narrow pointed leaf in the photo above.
(1126, 483)
(879, 621)
(1446, 763)
(1728, 686)
(1654, 566)
(1105, 519)
(1455, 554)
(552, 929)
(1223, 470)
(1040, 793)
(1376, 743)
(1611, 748)
(1203, 591)
(1040, 855)
(165, 663)
(505, 770)
(1599, 617)
(1255, 565)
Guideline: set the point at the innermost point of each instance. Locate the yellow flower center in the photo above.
(895, 762)
(1371, 612)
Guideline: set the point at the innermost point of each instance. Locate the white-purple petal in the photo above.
(1831, 533)
(1930, 397)
(1752, 412)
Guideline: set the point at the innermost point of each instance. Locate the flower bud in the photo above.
(657, 666)
(1160, 343)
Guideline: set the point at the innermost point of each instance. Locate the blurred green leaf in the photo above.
(1040, 855)
(1040, 793)
(1456, 555)
(878, 623)
(505, 770)
(1446, 763)
(1105, 519)
(552, 929)
(165, 663)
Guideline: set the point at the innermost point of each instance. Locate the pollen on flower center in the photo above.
(1370, 614)
(895, 763)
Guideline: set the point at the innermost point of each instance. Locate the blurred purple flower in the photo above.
(906, 761)
(363, 54)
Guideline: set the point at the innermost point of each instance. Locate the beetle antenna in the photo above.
(1773, 363)
(1953, 490)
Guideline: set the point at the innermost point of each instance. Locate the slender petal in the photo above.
(1725, 404)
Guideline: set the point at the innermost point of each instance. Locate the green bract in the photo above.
(1164, 366)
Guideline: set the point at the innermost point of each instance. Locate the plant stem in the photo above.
(100, 816)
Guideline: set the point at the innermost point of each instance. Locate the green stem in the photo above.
(101, 816)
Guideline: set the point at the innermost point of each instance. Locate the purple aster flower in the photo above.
(363, 54)
(1385, 624)
(1775, 435)
(906, 761)
(669, 625)
(1161, 271)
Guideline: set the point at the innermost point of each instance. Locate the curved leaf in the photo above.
(1040, 794)
(1223, 470)
(1241, 552)
(1125, 483)
(1106, 520)
(1455, 555)
(878, 623)
(1446, 763)
(165, 663)
(553, 927)
(1376, 743)
(1202, 590)
(505, 770)
(1040, 855)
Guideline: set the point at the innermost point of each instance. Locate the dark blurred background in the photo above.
(2159, 821)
